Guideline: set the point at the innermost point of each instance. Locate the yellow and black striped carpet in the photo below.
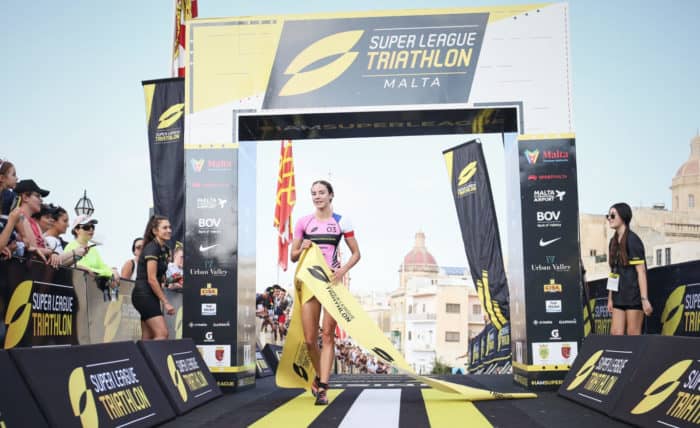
(390, 401)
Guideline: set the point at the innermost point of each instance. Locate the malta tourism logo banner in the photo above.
(376, 60)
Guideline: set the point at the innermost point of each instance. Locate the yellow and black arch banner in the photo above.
(312, 279)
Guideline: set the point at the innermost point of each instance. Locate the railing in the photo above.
(422, 316)
(686, 230)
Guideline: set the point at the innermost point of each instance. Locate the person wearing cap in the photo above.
(31, 195)
(83, 229)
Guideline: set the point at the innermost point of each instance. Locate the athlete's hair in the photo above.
(153, 223)
(325, 183)
(618, 246)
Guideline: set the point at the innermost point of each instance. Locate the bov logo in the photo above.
(305, 78)
(19, 310)
(661, 388)
(81, 399)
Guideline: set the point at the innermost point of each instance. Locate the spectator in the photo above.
(55, 243)
(30, 197)
(129, 267)
(8, 237)
(174, 273)
(83, 229)
(44, 218)
(8, 181)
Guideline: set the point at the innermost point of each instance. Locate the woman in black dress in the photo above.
(150, 277)
(628, 300)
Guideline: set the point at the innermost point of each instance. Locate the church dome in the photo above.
(419, 258)
(691, 167)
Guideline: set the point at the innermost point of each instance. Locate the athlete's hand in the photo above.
(338, 274)
(646, 306)
(305, 244)
(169, 309)
(610, 306)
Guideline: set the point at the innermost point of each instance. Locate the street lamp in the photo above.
(84, 206)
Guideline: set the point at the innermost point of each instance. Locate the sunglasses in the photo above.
(87, 227)
(610, 216)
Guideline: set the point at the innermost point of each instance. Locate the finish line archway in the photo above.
(302, 77)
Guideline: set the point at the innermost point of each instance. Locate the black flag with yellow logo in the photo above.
(471, 189)
(165, 107)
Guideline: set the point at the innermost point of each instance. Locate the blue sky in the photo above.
(74, 111)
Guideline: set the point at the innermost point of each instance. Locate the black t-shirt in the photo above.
(152, 251)
(628, 290)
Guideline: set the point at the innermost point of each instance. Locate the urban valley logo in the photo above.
(550, 265)
(171, 115)
(532, 156)
(684, 405)
(465, 185)
(548, 195)
(305, 80)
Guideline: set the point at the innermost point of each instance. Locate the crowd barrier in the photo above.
(647, 380)
(489, 351)
(44, 306)
(674, 293)
(106, 385)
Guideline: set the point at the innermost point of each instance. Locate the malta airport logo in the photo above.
(171, 115)
(661, 388)
(465, 185)
(585, 371)
(18, 313)
(673, 312)
(81, 399)
(176, 377)
(306, 79)
(532, 156)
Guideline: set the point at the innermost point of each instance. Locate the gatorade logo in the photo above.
(301, 372)
(383, 354)
(81, 399)
(467, 174)
(113, 317)
(318, 273)
(585, 370)
(171, 115)
(661, 388)
(176, 377)
(673, 311)
(305, 80)
(19, 310)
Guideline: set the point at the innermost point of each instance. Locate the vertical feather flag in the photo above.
(286, 198)
(184, 10)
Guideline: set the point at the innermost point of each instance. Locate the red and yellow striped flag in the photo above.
(286, 198)
(184, 10)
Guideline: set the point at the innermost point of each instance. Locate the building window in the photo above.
(593, 253)
(476, 310)
(691, 201)
(668, 255)
(658, 257)
(451, 336)
(409, 335)
(410, 308)
(423, 307)
(452, 308)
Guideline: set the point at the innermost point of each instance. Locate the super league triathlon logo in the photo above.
(682, 310)
(81, 399)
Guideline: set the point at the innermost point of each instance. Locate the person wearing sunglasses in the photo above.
(129, 267)
(628, 298)
(83, 229)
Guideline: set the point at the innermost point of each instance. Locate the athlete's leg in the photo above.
(158, 326)
(635, 319)
(310, 315)
(617, 327)
(328, 349)
(146, 333)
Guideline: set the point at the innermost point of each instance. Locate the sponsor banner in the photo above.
(376, 61)
(674, 293)
(211, 250)
(111, 319)
(262, 368)
(648, 380)
(181, 371)
(165, 107)
(312, 279)
(665, 390)
(471, 189)
(552, 273)
(38, 305)
(377, 124)
(17, 406)
(106, 385)
(602, 370)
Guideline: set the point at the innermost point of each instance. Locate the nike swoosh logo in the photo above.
(546, 243)
(202, 249)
